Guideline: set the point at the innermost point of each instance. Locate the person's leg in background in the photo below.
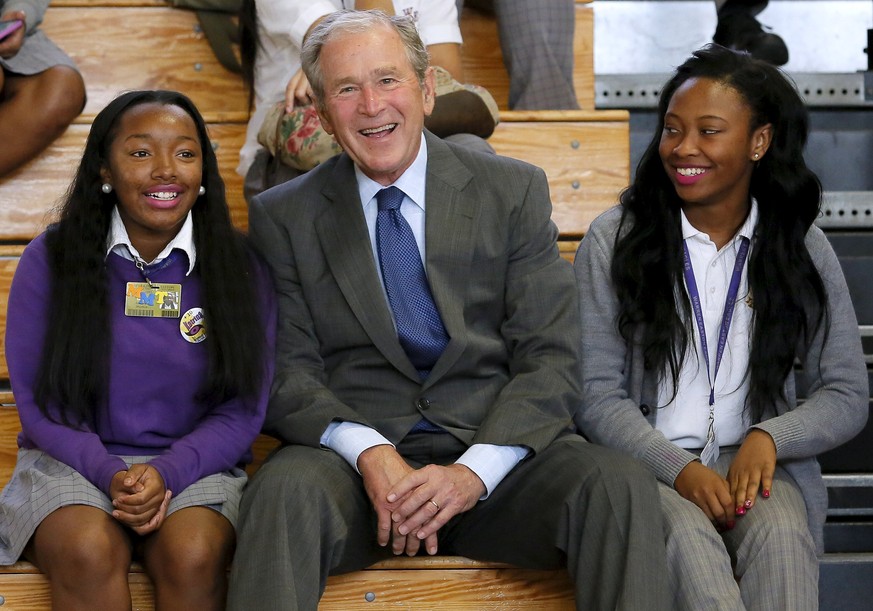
(738, 29)
(537, 43)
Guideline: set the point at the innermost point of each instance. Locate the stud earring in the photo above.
(202, 190)
(756, 156)
(106, 188)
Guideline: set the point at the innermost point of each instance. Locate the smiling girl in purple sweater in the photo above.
(139, 341)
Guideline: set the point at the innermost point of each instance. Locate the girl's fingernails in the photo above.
(741, 511)
(766, 494)
(731, 524)
(748, 504)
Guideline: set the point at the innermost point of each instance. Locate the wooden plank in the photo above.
(115, 3)
(7, 269)
(30, 193)
(568, 248)
(152, 47)
(586, 160)
(262, 447)
(9, 428)
(25, 589)
(587, 164)
(461, 589)
(179, 56)
(30, 592)
(483, 58)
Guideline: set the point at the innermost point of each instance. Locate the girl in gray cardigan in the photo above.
(698, 293)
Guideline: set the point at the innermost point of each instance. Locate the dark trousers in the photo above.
(306, 515)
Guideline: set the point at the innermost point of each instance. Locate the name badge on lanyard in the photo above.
(710, 450)
(151, 300)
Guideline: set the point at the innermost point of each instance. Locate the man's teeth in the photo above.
(376, 130)
(690, 171)
(166, 195)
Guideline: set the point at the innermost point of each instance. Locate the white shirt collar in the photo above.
(746, 230)
(411, 182)
(118, 242)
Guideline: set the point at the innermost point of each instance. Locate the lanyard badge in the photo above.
(710, 450)
(147, 299)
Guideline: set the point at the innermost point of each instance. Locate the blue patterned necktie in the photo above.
(419, 326)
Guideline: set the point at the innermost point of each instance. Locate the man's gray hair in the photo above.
(357, 22)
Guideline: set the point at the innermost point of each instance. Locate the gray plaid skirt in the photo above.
(40, 485)
(37, 54)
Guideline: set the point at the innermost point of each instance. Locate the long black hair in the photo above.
(788, 293)
(75, 363)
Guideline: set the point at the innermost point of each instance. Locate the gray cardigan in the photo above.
(619, 396)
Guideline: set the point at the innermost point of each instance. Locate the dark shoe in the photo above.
(742, 32)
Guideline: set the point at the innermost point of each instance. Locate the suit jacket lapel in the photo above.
(450, 233)
(343, 232)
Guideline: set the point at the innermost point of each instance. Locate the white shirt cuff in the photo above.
(492, 463)
(350, 439)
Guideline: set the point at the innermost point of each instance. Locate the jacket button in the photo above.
(423, 403)
(645, 409)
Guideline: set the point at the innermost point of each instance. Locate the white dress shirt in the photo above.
(119, 242)
(685, 419)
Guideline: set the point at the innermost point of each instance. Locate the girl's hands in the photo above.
(11, 45)
(752, 470)
(709, 491)
(140, 498)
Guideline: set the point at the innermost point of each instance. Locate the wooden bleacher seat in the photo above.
(585, 153)
(8, 263)
(138, 44)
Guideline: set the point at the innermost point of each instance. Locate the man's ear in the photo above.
(324, 117)
(429, 90)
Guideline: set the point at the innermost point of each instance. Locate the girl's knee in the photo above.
(191, 552)
(86, 549)
(58, 94)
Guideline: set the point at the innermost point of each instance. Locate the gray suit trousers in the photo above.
(306, 515)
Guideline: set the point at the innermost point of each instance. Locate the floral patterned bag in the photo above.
(297, 139)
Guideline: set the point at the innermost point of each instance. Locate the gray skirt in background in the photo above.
(37, 54)
(40, 485)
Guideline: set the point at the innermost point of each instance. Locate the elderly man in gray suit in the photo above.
(426, 406)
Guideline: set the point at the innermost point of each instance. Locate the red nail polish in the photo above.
(766, 494)
(741, 511)
(731, 524)
(748, 504)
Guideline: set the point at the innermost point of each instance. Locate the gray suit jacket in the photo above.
(620, 395)
(509, 375)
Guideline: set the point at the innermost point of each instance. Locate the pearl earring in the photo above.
(202, 190)
(756, 156)
(106, 188)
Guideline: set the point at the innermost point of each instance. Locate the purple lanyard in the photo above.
(728, 314)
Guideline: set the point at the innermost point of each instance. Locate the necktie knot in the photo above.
(389, 199)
